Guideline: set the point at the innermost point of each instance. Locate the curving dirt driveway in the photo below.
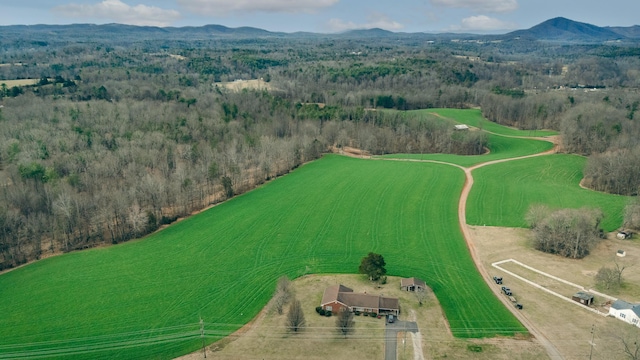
(552, 351)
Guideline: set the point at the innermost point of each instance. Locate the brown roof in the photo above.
(412, 281)
(344, 295)
(331, 293)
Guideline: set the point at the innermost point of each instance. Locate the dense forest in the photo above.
(116, 139)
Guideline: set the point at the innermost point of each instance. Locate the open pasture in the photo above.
(500, 147)
(239, 85)
(145, 298)
(473, 117)
(502, 193)
(21, 82)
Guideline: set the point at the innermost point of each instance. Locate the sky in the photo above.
(325, 16)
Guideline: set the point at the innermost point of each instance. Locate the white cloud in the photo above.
(117, 11)
(375, 20)
(482, 23)
(224, 7)
(480, 5)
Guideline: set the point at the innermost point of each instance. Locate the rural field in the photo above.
(222, 264)
(551, 180)
(21, 82)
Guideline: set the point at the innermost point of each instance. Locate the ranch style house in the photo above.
(626, 312)
(339, 297)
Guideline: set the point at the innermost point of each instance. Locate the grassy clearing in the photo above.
(21, 82)
(500, 147)
(473, 117)
(502, 193)
(223, 263)
(239, 85)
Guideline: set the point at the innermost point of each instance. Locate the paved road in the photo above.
(391, 336)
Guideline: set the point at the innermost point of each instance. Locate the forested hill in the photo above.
(557, 29)
(562, 29)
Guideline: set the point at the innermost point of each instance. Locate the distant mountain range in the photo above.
(565, 30)
(554, 30)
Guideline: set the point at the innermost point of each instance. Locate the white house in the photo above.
(461, 127)
(625, 311)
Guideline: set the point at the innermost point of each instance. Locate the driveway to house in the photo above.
(391, 336)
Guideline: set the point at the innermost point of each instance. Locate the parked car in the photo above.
(390, 318)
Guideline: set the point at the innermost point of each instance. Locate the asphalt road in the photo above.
(391, 336)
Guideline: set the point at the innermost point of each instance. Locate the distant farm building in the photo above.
(626, 312)
(339, 297)
(412, 284)
(623, 235)
(583, 298)
(461, 127)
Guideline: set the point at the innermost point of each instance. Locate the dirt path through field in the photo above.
(550, 348)
(552, 351)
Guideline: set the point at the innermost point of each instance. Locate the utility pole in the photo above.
(593, 332)
(204, 349)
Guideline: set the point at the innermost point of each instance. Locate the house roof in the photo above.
(623, 305)
(345, 295)
(412, 281)
(331, 293)
(461, 127)
(583, 295)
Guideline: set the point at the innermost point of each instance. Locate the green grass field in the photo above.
(502, 193)
(473, 117)
(144, 299)
(500, 147)
(222, 264)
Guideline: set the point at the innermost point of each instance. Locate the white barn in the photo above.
(626, 312)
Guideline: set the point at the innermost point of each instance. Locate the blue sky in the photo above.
(476, 16)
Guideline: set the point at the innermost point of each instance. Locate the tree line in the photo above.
(113, 142)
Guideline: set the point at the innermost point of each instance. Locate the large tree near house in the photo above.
(373, 266)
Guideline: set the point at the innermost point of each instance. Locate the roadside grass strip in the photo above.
(501, 266)
(222, 264)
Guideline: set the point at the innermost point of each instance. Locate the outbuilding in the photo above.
(623, 235)
(583, 298)
(461, 127)
(412, 284)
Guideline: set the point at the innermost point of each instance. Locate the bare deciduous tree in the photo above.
(630, 339)
(282, 294)
(344, 322)
(295, 317)
(421, 295)
(568, 232)
(607, 278)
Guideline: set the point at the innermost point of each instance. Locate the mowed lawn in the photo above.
(222, 264)
(502, 193)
